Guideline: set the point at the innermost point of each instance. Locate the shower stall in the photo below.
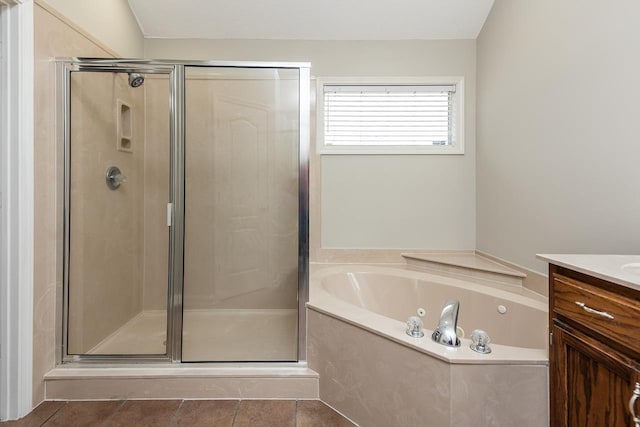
(185, 210)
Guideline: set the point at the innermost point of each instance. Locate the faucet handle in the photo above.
(414, 327)
(480, 341)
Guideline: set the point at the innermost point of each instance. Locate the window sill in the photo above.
(387, 150)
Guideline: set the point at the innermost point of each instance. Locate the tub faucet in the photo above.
(445, 333)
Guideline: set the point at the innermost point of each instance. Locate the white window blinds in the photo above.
(388, 115)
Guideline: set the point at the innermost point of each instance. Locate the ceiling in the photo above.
(312, 20)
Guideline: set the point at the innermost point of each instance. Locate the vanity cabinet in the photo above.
(594, 365)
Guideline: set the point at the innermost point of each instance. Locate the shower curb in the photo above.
(82, 383)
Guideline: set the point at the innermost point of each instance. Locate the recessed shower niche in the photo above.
(124, 133)
(200, 254)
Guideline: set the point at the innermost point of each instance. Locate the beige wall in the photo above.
(52, 38)
(374, 201)
(558, 128)
(111, 22)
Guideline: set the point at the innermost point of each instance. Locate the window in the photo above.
(394, 116)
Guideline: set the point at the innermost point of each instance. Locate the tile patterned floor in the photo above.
(223, 413)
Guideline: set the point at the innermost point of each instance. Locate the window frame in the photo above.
(457, 146)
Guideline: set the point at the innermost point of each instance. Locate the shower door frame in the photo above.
(176, 72)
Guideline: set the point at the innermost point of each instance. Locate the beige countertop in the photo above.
(623, 270)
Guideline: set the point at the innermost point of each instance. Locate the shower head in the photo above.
(136, 79)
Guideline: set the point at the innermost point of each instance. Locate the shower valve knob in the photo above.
(114, 177)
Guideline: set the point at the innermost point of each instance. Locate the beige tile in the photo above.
(375, 381)
(534, 281)
(183, 388)
(499, 395)
(241, 246)
(156, 192)
(106, 246)
(53, 38)
(379, 382)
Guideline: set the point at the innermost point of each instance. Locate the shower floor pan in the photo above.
(211, 335)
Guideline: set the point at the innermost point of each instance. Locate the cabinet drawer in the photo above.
(611, 315)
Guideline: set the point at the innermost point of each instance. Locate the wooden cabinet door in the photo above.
(591, 384)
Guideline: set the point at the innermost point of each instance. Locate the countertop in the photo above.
(623, 270)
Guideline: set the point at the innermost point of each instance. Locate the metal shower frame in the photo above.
(176, 73)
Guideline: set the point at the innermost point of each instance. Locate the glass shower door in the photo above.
(116, 193)
(240, 300)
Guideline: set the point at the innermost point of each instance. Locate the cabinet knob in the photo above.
(632, 404)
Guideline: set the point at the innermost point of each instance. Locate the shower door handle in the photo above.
(169, 214)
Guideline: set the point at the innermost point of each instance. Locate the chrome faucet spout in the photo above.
(445, 333)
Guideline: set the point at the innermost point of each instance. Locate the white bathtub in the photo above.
(376, 374)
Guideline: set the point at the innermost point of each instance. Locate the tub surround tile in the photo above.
(371, 256)
(466, 264)
(469, 260)
(374, 381)
(509, 396)
(266, 413)
(535, 281)
(322, 255)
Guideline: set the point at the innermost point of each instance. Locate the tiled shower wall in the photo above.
(106, 229)
(259, 259)
(241, 219)
(53, 38)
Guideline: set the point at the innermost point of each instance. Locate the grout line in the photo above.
(50, 416)
(339, 413)
(175, 414)
(235, 413)
(295, 415)
(54, 412)
(114, 412)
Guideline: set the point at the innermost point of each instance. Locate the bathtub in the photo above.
(376, 374)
